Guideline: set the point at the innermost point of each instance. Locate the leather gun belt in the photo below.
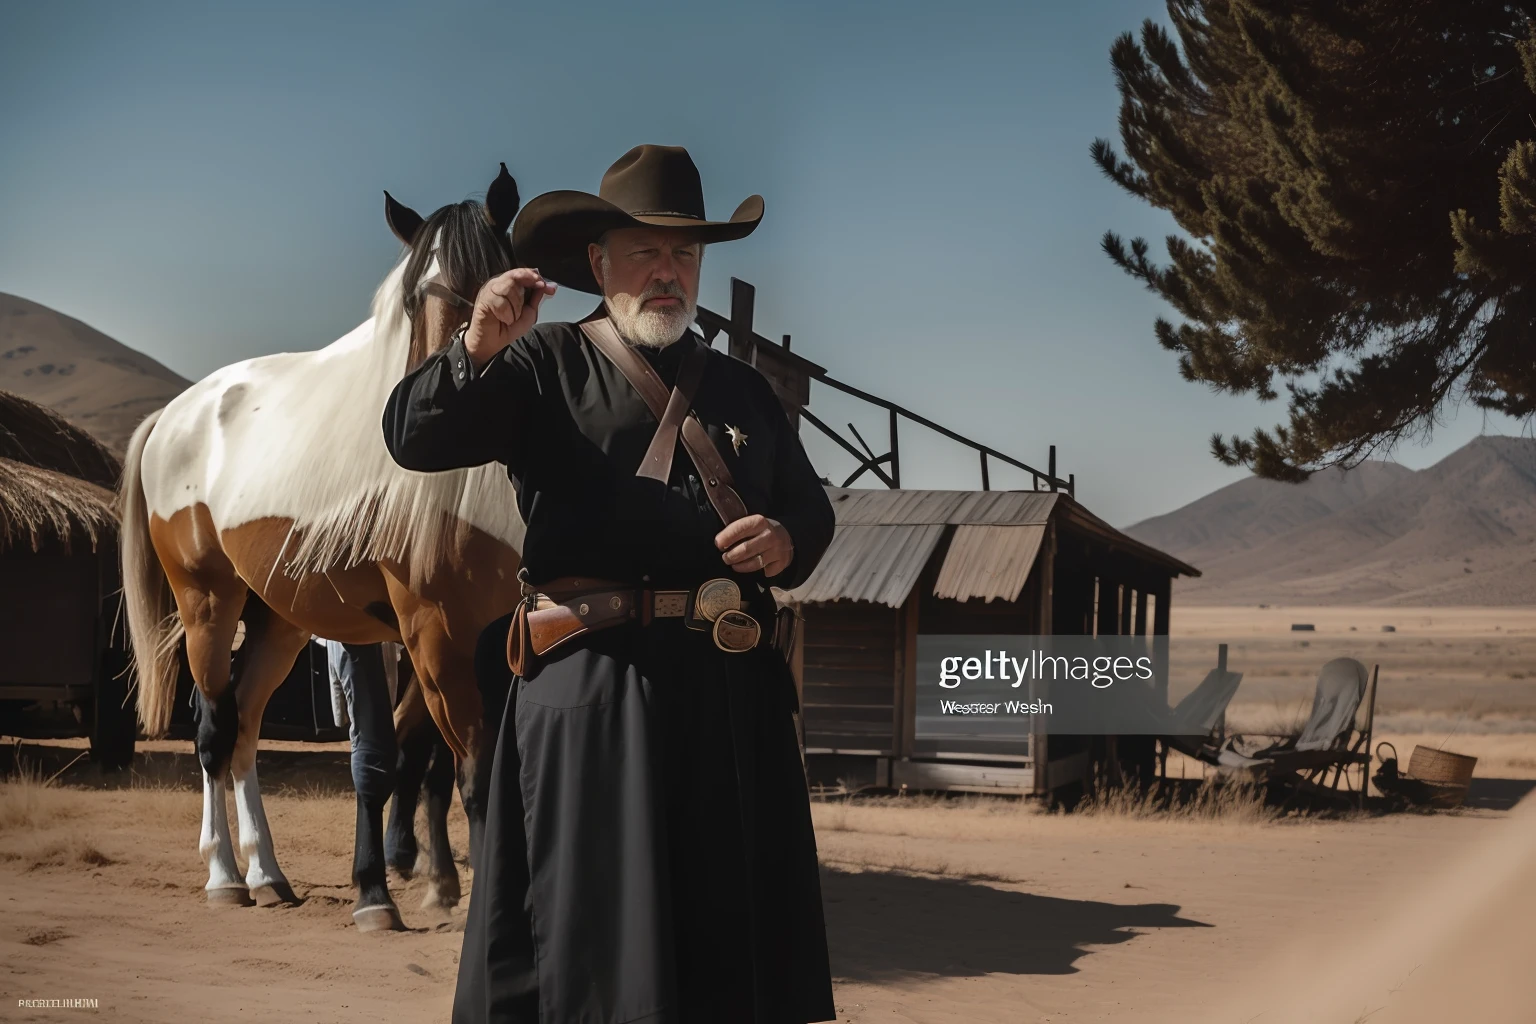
(561, 610)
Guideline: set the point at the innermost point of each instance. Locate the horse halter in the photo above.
(434, 286)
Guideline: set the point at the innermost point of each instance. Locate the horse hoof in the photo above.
(440, 898)
(229, 896)
(378, 919)
(272, 895)
(404, 872)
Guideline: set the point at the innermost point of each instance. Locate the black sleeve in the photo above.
(447, 415)
(798, 500)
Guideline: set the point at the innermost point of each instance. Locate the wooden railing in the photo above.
(786, 369)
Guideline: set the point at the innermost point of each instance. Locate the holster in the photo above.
(565, 609)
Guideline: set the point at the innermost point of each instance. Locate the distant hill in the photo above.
(91, 380)
(1462, 531)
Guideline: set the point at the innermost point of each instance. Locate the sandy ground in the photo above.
(938, 911)
(1452, 670)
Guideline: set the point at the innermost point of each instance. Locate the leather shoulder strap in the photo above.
(718, 483)
(657, 463)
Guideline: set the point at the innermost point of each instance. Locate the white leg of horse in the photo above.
(263, 877)
(225, 886)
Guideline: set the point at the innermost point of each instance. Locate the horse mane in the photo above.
(464, 251)
(354, 503)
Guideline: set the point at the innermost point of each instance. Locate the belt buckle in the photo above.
(736, 632)
(711, 599)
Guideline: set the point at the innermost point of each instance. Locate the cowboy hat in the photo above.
(656, 186)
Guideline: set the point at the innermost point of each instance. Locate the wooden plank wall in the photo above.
(849, 676)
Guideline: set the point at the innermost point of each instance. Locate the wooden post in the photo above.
(1140, 628)
(906, 700)
(986, 484)
(1039, 740)
(1221, 666)
(1127, 596)
(1051, 467)
(895, 451)
(1109, 608)
(743, 298)
(1160, 617)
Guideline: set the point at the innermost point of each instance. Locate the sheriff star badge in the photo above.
(738, 438)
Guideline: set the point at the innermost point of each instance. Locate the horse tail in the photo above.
(154, 626)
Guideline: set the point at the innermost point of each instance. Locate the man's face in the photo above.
(650, 280)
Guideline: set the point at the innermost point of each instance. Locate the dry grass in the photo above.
(30, 800)
(983, 818)
(902, 861)
(54, 851)
(1215, 802)
(44, 823)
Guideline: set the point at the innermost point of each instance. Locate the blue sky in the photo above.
(203, 182)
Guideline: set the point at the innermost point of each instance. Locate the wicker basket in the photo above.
(1430, 765)
(1445, 775)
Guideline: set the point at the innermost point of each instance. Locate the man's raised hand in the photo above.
(505, 310)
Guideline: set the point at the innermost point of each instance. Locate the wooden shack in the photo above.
(63, 670)
(904, 563)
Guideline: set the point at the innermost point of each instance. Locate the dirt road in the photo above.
(937, 912)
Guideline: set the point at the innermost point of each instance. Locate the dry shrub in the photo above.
(875, 813)
(314, 789)
(55, 851)
(1216, 801)
(153, 806)
(29, 800)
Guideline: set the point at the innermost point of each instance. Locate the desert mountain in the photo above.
(1249, 513)
(1462, 531)
(88, 378)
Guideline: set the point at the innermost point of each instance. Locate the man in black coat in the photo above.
(648, 853)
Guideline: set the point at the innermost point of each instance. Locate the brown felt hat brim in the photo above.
(553, 230)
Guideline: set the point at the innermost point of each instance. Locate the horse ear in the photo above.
(403, 220)
(502, 201)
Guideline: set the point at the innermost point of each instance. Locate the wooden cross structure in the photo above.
(791, 376)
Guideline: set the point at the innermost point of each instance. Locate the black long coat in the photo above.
(648, 852)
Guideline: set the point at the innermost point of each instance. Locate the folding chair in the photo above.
(1335, 737)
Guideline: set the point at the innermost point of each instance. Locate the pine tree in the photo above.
(1357, 183)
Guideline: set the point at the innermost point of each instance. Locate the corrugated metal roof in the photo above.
(987, 562)
(884, 538)
(871, 563)
(870, 506)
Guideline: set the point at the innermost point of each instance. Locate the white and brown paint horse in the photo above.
(265, 493)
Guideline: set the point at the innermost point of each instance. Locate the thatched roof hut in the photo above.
(38, 506)
(55, 481)
(38, 436)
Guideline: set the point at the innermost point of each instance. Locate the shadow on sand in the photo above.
(1498, 794)
(881, 925)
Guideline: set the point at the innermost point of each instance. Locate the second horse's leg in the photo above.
(443, 892)
(415, 743)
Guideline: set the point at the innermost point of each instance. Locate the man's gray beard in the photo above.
(650, 328)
